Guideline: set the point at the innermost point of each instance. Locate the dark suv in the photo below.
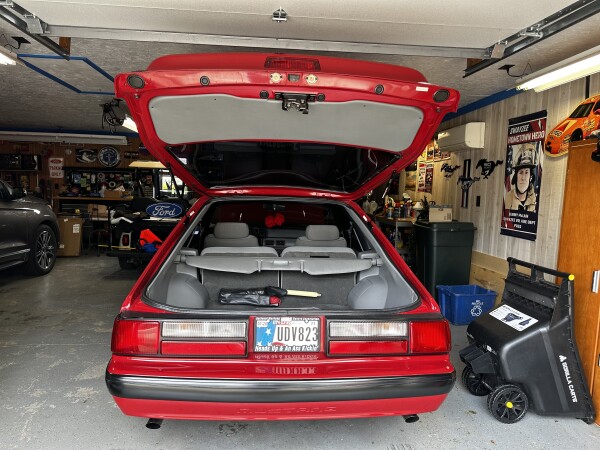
(28, 231)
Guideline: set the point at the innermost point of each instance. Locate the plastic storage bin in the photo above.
(443, 253)
(462, 304)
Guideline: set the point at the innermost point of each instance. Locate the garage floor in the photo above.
(55, 343)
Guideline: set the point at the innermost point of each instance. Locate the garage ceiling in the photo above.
(435, 37)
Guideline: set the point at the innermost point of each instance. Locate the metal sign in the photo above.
(164, 210)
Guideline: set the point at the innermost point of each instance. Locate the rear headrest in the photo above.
(322, 232)
(231, 230)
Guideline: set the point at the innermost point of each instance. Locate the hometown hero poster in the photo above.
(523, 175)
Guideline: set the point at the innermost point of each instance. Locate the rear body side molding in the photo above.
(277, 391)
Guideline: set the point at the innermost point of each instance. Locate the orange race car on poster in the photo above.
(579, 125)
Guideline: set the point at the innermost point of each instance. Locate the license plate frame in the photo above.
(287, 334)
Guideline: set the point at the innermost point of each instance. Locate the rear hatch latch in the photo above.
(298, 102)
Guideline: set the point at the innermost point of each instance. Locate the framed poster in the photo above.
(523, 176)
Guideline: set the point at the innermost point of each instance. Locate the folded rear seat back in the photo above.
(214, 280)
(334, 289)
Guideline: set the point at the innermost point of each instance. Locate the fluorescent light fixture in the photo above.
(62, 138)
(571, 69)
(130, 124)
(7, 58)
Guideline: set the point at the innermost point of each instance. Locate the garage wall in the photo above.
(40, 177)
(559, 103)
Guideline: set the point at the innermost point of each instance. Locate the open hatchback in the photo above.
(279, 148)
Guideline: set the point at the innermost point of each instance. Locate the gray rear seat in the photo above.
(333, 288)
(321, 236)
(231, 234)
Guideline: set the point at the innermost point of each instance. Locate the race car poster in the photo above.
(523, 175)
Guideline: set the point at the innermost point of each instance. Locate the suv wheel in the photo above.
(42, 255)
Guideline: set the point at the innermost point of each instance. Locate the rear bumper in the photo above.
(165, 409)
(267, 391)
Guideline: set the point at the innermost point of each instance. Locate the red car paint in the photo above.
(242, 75)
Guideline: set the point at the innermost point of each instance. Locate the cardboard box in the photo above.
(70, 236)
(113, 194)
(97, 211)
(440, 214)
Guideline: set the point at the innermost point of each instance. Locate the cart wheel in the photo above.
(508, 403)
(474, 382)
(128, 263)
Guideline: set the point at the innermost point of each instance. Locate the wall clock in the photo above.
(109, 156)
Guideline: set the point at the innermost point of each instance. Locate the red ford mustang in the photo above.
(276, 296)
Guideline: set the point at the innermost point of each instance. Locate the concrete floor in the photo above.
(55, 343)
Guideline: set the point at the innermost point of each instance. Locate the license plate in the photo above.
(287, 334)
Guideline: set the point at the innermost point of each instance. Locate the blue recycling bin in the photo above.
(465, 303)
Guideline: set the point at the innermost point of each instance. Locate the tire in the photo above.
(508, 403)
(42, 254)
(474, 382)
(127, 263)
(576, 136)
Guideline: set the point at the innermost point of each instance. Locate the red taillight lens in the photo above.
(367, 347)
(295, 64)
(135, 337)
(226, 349)
(125, 240)
(367, 337)
(430, 337)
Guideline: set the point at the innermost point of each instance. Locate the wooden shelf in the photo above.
(95, 199)
(400, 221)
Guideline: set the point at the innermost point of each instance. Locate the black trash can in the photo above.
(523, 353)
(443, 253)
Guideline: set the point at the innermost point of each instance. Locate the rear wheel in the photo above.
(42, 254)
(508, 403)
(474, 382)
(577, 136)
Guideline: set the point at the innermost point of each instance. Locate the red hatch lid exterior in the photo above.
(298, 125)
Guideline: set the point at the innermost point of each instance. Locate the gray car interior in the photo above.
(320, 261)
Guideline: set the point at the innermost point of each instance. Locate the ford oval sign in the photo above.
(164, 210)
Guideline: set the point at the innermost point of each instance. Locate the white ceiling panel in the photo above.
(465, 23)
(31, 100)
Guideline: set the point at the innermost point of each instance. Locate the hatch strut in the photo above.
(299, 102)
(179, 193)
(389, 183)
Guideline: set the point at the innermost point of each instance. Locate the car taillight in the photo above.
(125, 240)
(295, 64)
(367, 347)
(135, 337)
(204, 338)
(184, 338)
(204, 329)
(429, 337)
(203, 348)
(367, 338)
